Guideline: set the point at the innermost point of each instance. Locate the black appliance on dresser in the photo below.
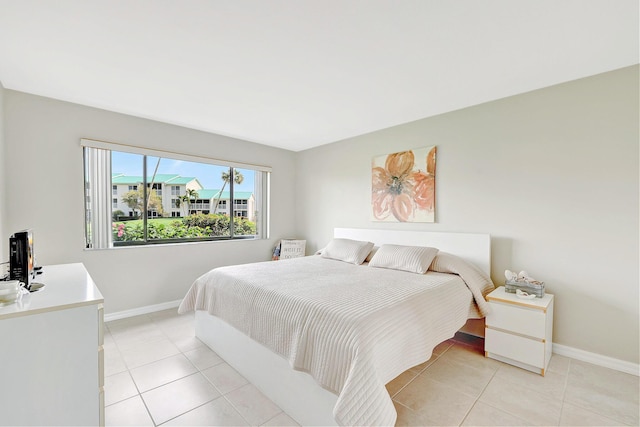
(21, 257)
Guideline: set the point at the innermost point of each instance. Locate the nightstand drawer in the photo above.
(526, 350)
(521, 320)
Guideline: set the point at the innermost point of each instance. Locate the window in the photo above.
(157, 188)
(200, 213)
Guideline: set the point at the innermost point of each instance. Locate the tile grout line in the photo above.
(586, 407)
(406, 407)
(128, 369)
(443, 384)
(507, 411)
(115, 343)
(224, 395)
(144, 402)
(478, 397)
(198, 371)
(277, 415)
(420, 372)
(564, 392)
(236, 409)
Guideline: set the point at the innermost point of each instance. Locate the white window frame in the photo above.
(98, 172)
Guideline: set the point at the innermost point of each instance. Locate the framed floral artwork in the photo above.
(403, 186)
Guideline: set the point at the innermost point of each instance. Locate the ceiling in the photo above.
(296, 74)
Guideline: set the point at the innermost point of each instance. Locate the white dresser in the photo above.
(519, 331)
(51, 357)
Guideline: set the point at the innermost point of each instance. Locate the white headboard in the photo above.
(473, 247)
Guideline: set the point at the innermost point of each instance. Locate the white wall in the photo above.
(552, 175)
(45, 193)
(4, 237)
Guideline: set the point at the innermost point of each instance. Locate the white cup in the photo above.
(9, 285)
(9, 290)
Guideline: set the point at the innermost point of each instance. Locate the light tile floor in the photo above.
(158, 373)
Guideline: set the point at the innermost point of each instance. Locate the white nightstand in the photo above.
(519, 331)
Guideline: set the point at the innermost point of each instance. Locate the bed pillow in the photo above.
(415, 259)
(347, 250)
(372, 253)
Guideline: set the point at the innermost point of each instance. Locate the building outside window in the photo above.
(199, 190)
(157, 187)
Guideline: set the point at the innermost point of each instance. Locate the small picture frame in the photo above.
(291, 248)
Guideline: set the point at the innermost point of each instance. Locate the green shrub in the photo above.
(219, 224)
(115, 215)
(193, 226)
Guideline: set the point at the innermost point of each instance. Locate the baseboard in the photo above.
(141, 310)
(597, 359)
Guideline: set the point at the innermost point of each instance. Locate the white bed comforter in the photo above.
(353, 328)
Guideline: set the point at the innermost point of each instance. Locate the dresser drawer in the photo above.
(521, 320)
(526, 350)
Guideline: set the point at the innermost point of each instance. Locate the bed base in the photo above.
(295, 392)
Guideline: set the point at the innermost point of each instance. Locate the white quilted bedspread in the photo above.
(353, 328)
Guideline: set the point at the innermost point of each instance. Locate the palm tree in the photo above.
(178, 202)
(184, 202)
(189, 195)
(226, 177)
(150, 186)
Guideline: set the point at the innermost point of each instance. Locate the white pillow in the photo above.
(415, 259)
(347, 250)
(372, 253)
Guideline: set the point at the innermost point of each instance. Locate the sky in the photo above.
(208, 175)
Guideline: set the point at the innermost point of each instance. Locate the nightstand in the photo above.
(519, 331)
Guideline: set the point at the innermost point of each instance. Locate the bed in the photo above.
(321, 336)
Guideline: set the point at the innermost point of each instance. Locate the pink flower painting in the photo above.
(403, 186)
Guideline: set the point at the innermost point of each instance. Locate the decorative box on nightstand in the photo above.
(519, 331)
